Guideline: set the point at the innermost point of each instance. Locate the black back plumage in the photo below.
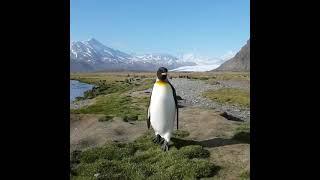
(176, 102)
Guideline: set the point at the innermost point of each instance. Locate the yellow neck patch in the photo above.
(161, 83)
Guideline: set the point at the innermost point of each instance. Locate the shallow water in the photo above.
(77, 89)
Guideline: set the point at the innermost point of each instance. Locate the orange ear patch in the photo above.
(161, 83)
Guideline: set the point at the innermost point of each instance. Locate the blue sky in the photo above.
(208, 28)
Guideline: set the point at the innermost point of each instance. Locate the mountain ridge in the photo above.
(92, 55)
(240, 62)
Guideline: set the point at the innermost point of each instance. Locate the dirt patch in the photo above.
(214, 132)
(234, 160)
(204, 124)
(86, 131)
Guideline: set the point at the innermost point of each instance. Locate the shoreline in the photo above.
(76, 104)
(81, 103)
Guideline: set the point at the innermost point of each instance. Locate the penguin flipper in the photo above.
(176, 102)
(148, 117)
(148, 123)
(177, 109)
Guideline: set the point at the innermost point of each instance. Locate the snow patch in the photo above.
(197, 68)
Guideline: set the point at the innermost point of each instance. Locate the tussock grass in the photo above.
(213, 77)
(231, 96)
(117, 105)
(142, 159)
(245, 175)
(181, 133)
(242, 133)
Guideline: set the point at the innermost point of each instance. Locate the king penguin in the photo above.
(163, 109)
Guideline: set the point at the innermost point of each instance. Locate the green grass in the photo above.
(232, 76)
(221, 76)
(142, 159)
(200, 78)
(242, 133)
(231, 96)
(117, 105)
(181, 133)
(109, 92)
(145, 84)
(108, 84)
(103, 88)
(245, 175)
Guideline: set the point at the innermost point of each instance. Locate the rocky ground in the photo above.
(190, 91)
(87, 131)
(81, 103)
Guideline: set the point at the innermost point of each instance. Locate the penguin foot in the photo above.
(165, 146)
(157, 139)
(161, 141)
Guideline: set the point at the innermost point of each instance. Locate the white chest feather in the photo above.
(162, 108)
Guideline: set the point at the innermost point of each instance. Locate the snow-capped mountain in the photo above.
(92, 55)
(94, 52)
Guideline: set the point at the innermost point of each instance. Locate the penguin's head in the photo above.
(162, 73)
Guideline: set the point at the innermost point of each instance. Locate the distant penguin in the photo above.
(163, 109)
